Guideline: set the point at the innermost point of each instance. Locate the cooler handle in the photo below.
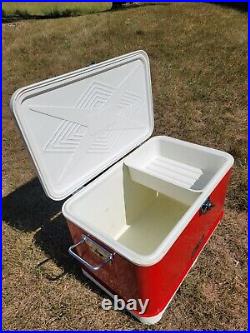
(84, 262)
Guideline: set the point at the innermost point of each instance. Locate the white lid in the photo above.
(78, 124)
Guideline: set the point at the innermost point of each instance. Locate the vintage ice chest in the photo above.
(140, 209)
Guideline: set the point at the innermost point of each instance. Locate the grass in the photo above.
(198, 55)
(52, 9)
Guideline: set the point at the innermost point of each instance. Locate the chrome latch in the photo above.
(206, 206)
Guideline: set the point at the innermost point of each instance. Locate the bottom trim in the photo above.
(144, 320)
(154, 319)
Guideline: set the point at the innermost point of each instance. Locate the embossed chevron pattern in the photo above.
(129, 107)
(130, 99)
(95, 97)
(65, 139)
(104, 142)
(111, 112)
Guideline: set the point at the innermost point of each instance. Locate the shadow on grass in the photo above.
(240, 6)
(28, 209)
(23, 15)
(15, 18)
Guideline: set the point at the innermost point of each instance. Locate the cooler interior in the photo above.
(132, 214)
(139, 201)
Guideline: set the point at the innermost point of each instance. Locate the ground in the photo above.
(198, 55)
(53, 8)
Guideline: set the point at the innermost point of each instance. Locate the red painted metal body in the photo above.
(158, 282)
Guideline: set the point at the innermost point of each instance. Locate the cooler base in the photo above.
(154, 319)
(144, 320)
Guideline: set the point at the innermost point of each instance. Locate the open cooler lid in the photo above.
(78, 124)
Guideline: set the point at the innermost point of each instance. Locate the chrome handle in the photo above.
(84, 262)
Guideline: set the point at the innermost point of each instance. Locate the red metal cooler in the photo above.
(140, 209)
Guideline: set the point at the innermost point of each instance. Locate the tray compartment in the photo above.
(161, 185)
(170, 170)
(184, 164)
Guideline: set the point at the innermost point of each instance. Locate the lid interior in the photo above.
(78, 124)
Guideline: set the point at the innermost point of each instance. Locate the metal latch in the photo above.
(206, 206)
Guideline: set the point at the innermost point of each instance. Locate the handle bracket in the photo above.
(85, 238)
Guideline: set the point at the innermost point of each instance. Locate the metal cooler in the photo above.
(140, 209)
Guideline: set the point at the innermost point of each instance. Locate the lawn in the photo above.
(50, 8)
(198, 55)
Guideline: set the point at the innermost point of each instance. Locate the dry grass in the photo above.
(198, 56)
